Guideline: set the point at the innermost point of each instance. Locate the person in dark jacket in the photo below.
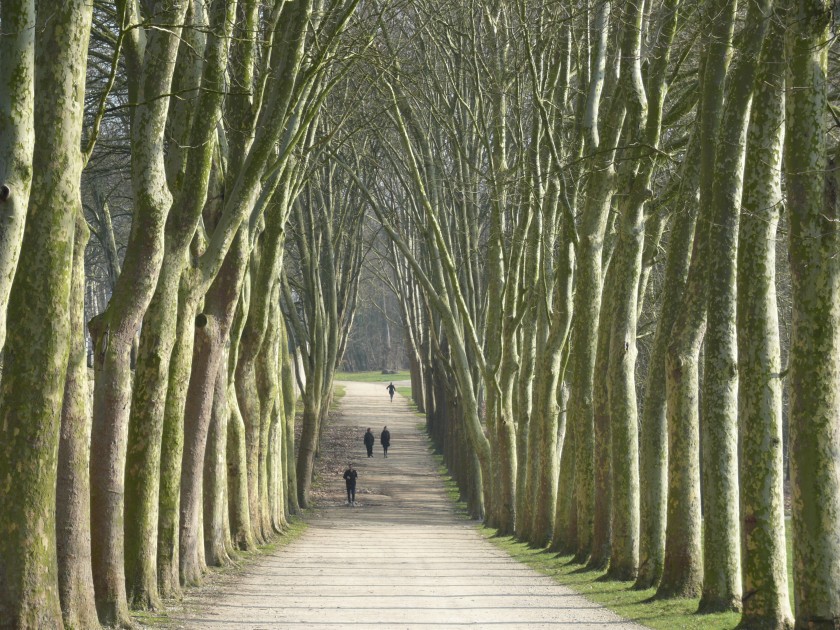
(350, 479)
(369, 439)
(391, 389)
(385, 440)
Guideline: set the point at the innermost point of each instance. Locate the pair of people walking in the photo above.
(384, 440)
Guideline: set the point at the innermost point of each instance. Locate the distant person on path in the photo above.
(369, 439)
(391, 389)
(385, 439)
(350, 479)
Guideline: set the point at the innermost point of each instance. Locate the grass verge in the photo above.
(620, 597)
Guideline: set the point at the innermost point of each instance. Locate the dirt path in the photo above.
(400, 559)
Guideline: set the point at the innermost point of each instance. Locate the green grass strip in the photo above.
(619, 597)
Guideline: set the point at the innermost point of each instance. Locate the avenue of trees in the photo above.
(606, 234)
(582, 205)
(148, 388)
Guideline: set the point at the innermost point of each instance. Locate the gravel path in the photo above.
(400, 559)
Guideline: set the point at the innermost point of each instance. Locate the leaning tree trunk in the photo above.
(766, 602)
(75, 580)
(37, 341)
(812, 203)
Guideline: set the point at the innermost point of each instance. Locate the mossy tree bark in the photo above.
(812, 201)
(653, 449)
(257, 405)
(75, 580)
(766, 602)
(216, 528)
(37, 343)
(212, 328)
(652, 431)
(17, 136)
(114, 330)
(626, 267)
(191, 182)
(602, 138)
(289, 402)
(683, 572)
(721, 538)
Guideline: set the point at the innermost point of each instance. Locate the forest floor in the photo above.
(403, 557)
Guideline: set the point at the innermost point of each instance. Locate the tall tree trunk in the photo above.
(682, 573)
(37, 342)
(812, 202)
(599, 559)
(145, 434)
(654, 455)
(239, 513)
(766, 602)
(289, 401)
(75, 580)
(17, 136)
(215, 473)
(564, 536)
(114, 330)
(157, 340)
(721, 529)
(180, 367)
(212, 328)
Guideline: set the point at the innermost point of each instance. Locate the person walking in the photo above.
(385, 440)
(391, 389)
(350, 480)
(369, 439)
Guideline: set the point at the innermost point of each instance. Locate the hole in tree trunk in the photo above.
(200, 320)
(5, 192)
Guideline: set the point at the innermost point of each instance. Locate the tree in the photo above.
(766, 603)
(37, 343)
(814, 431)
